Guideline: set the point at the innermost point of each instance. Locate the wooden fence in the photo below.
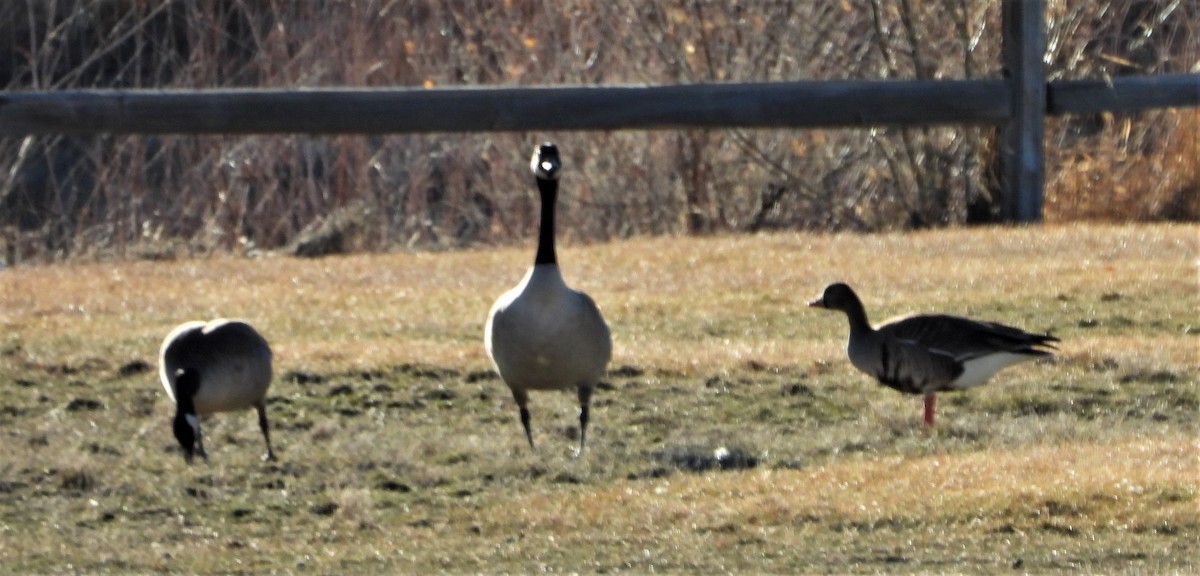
(1018, 102)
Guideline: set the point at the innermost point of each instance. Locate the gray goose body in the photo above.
(931, 353)
(542, 334)
(215, 366)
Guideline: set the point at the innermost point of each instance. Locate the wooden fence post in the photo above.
(1022, 158)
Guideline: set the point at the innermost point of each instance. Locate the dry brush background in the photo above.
(163, 196)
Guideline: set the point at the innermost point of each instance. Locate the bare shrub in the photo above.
(1124, 166)
(159, 196)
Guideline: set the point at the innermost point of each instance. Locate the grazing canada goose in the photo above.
(542, 335)
(931, 353)
(211, 367)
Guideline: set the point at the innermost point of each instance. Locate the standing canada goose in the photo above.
(931, 353)
(542, 335)
(216, 366)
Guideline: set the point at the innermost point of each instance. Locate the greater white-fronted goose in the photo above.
(215, 366)
(931, 353)
(543, 335)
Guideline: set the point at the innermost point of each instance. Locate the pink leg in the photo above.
(930, 406)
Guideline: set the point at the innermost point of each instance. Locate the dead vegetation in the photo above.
(161, 197)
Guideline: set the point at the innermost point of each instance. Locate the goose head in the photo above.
(545, 162)
(837, 296)
(186, 425)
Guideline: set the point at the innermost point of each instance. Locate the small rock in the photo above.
(735, 459)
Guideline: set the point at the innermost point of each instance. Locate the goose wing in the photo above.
(594, 332)
(911, 367)
(589, 310)
(201, 345)
(964, 339)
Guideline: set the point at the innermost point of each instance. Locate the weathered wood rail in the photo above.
(1018, 103)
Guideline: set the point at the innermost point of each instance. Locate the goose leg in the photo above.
(522, 399)
(585, 400)
(200, 444)
(266, 432)
(930, 406)
(525, 423)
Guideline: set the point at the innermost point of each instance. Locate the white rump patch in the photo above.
(978, 370)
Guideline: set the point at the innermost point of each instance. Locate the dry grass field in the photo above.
(401, 452)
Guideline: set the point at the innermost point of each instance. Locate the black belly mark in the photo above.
(905, 385)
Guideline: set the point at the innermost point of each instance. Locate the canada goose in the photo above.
(211, 367)
(931, 353)
(542, 335)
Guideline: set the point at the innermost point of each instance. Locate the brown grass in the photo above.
(401, 453)
(952, 488)
(435, 302)
(1133, 487)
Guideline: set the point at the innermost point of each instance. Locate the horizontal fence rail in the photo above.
(377, 111)
(807, 104)
(1123, 94)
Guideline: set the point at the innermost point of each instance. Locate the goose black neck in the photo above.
(184, 406)
(857, 316)
(545, 251)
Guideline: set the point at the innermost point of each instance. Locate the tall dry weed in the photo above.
(1128, 166)
(1138, 167)
(164, 196)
